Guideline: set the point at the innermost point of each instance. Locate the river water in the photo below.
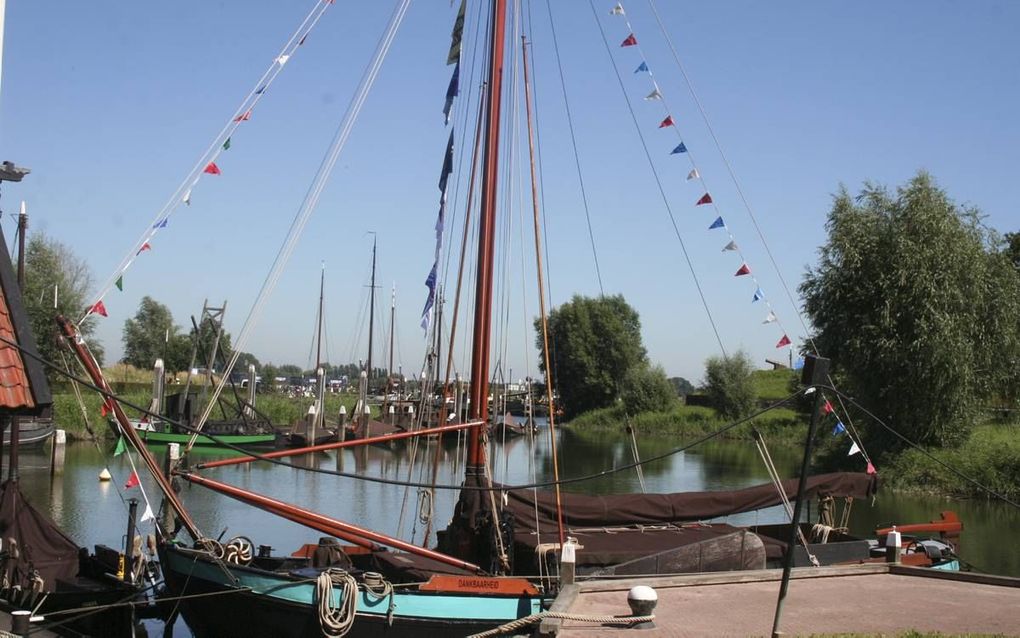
(94, 512)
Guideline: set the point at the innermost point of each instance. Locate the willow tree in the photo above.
(916, 304)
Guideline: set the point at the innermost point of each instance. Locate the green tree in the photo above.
(682, 386)
(645, 388)
(53, 270)
(729, 385)
(1012, 248)
(596, 341)
(150, 335)
(916, 308)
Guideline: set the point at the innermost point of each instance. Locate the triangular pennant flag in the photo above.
(759, 294)
(743, 270)
(718, 223)
(212, 169)
(132, 481)
(770, 318)
(694, 174)
(226, 145)
(839, 429)
(144, 248)
(642, 68)
(99, 308)
(104, 409)
(187, 198)
(302, 40)
(456, 35)
(827, 408)
(799, 365)
(705, 199)
(853, 449)
(666, 122)
(160, 224)
(283, 59)
(681, 148)
(119, 283)
(871, 469)
(452, 90)
(243, 117)
(654, 95)
(730, 246)
(148, 515)
(121, 447)
(785, 341)
(617, 10)
(629, 42)
(260, 90)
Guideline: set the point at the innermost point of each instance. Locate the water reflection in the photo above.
(94, 512)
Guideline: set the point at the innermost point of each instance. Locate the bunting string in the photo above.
(694, 173)
(206, 163)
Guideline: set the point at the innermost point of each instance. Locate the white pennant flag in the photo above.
(283, 59)
(654, 95)
(770, 318)
(148, 515)
(187, 198)
(617, 10)
(854, 449)
(694, 174)
(730, 246)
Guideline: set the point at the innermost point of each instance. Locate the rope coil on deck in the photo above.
(534, 618)
(336, 621)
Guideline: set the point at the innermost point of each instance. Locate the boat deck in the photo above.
(874, 599)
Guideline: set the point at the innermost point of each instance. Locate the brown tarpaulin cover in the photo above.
(41, 545)
(581, 510)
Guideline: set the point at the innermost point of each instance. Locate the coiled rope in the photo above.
(378, 588)
(336, 621)
(533, 618)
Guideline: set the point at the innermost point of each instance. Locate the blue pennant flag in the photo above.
(447, 165)
(642, 68)
(430, 283)
(161, 223)
(839, 429)
(260, 90)
(452, 91)
(758, 295)
(798, 364)
(679, 149)
(718, 223)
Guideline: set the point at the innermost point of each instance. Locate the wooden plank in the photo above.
(564, 601)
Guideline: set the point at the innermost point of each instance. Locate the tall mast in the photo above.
(393, 312)
(371, 311)
(486, 241)
(318, 338)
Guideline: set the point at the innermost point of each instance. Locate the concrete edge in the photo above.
(963, 577)
(728, 578)
(563, 602)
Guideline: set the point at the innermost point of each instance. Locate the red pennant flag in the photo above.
(212, 169)
(667, 122)
(243, 117)
(99, 309)
(141, 250)
(103, 410)
(744, 270)
(132, 481)
(629, 42)
(827, 408)
(871, 469)
(705, 199)
(785, 341)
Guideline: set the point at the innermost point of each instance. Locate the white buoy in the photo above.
(105, 475)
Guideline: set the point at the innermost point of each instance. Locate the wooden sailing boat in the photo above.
(312, 429)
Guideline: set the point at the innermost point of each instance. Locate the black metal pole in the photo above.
(129, 543)
(784, 586)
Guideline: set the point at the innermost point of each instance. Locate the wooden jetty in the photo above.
(871, 599)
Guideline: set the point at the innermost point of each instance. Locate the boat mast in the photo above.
(479, 394)
(393, 313)
(371, 312)
(320, 374)
(318, 337)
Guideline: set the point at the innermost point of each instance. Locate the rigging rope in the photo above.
(520, 623)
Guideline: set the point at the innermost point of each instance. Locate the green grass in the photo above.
(991, 456)
(773, 384)
(685, 420)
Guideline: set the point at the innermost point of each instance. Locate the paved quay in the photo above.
(876, 599)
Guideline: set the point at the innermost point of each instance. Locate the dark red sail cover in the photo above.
(580, 510)
(41, 546)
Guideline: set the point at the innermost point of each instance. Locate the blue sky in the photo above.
(110, 104)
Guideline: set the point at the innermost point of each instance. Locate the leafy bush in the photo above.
(646, 389)
(729, 385)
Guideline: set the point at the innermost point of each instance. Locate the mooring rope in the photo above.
(534, 618)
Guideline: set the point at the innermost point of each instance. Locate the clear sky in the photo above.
(111, 103)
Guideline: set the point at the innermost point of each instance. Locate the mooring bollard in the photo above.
(20, 621)
(568, 560)
(642, 600)
(892, 546)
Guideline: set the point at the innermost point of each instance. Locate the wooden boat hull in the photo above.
(244, 440)
(264, 603)
(31, 432)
